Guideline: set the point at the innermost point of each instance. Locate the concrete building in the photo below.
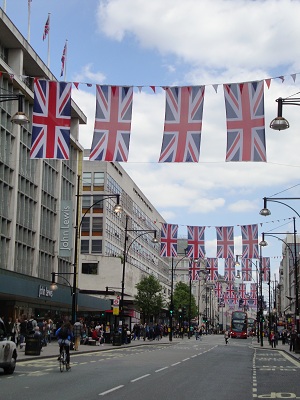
(32, 194)
(103, 238)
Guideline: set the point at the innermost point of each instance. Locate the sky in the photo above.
(186, 42)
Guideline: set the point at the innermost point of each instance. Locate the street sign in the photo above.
(116, 302)
(116, 310)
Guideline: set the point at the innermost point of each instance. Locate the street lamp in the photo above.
(19, 118)
(171, 310)
(295, 263)
(125, 254)
(117, 208)
(265, 211)
(279, 123)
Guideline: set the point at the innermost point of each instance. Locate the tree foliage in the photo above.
(149, 298)
(181, 298)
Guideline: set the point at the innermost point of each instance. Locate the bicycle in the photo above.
(63, 360)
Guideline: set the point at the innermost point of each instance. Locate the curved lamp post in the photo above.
(265, 211)
(125, 254)
(171, 310)
(118, 208)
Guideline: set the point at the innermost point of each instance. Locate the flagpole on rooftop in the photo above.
(64, 61)
(29, 16)
(48, 54)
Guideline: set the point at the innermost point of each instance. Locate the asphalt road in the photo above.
(206, 369)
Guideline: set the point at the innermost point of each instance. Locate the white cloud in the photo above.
(243, 206)
(213, 34)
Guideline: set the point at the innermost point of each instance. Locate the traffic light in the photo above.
(171, 312)
(184, 310)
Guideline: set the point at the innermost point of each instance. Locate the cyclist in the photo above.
(64, 335)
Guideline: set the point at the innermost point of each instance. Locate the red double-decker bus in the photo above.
(239, 325)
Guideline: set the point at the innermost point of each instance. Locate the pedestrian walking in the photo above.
(226, 337)
(77, 333)
(273, 340)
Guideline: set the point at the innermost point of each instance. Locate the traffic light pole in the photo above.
(171, 302)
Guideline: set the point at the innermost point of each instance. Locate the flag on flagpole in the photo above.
(63, 59)
(46, 28)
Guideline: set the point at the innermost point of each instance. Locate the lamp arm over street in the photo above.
(125, 254)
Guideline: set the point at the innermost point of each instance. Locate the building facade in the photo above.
(102, 238)
(32, 194)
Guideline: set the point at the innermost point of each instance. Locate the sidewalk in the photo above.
(51, 350)
(279, 346)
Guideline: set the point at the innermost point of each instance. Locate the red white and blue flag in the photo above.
(245, 119)
(168, 240)
(229, 269)
(63, 59)
(242, 291)
(250, 241)
(231, 292)
(195, 248)
(183, 124)
(225, 242)
(253, 290)
(112, 123)
(212, 267)
(246, 269)
(194, 270)
(218, 290)
(51, 120)
(265, 264)
(46, 28)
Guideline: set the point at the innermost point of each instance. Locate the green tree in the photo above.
(181, 298)
(149, 298)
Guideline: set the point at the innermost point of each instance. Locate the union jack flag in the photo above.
(183, 124)
(194, 270)
(218, 290)
(225, 242)
(168, 240)
(242, 291)
(265, 264)
(51, 120)
(63, 59)
(195, 242)
(231, 293)
(245, 117)
(246, 269)
(253, 290)
(212, 267)
(46, 28)
(250, 241)
(112, 123)
(229, 269)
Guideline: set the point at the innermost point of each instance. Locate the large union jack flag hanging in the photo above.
(195, 248)
(250, 241)
(245, 119)
(229, 269)
(225, 242)
(212, 267)
(183, 124)
(112, 123)
(194, 270)
(168, 240)
(246, 269)
(51, 120)
(265, 264)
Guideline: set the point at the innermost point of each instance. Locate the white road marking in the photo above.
(161, 369)
(186, 359)
(179, 362)
(110, 390)
(140, 377)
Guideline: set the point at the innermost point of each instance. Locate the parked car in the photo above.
(8, 356)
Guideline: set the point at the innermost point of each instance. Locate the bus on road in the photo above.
(239, 325)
